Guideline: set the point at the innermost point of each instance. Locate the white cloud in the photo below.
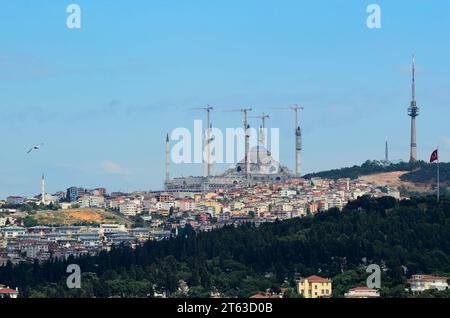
(114, 168)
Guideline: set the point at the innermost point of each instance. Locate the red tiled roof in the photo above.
(362, 288)
(258, 296)
(265, 296)
(315, 278)
(8, 291)
(429, 277)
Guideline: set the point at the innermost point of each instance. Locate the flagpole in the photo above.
(438, 174)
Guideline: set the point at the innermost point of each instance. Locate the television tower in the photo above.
(413, 112)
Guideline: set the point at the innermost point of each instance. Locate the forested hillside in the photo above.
(418, 172)
(368, 167)
(404, 238)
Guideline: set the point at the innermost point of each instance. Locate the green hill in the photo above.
(368, 167)
(418, 172)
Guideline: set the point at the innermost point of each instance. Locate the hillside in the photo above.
(418, 176)
(75, 217)
(405, 237)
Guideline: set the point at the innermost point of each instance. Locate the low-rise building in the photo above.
(15, 200)
(420, 283)
(6, 292)
(314, 287)
(362, 292)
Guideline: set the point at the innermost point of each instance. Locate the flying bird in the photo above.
(35, 147)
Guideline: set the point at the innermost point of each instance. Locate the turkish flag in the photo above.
(434, 156)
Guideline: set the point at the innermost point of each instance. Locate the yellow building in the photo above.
(262, 209)
(164, 212)
(314, 287)
(217, 206)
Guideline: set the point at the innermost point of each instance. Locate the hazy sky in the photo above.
(103, 97)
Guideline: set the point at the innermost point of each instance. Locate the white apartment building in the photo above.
(112, 228)
(165, 205)
(131, 208)
(186, 205)
(420, 283)
(10, 232)
(91, 201)
(288, 193)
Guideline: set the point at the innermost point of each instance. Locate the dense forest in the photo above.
(404, 237)
(419, 172)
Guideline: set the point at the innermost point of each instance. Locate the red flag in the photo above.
(434, 156)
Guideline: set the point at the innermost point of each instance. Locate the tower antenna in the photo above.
(413, 112)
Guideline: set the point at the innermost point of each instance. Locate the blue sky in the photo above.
(103, 97)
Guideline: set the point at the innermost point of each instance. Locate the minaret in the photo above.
(43, 189)
(298, 151)
(298, 142)
(247, 143)
(413, 112)
(386, 153)
(261, 135)
(167, 159)
(210, 165)
(206, 142)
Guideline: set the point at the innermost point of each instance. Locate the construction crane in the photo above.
(207, 143)
(245, 111)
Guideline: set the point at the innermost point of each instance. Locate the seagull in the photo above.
(35, 147)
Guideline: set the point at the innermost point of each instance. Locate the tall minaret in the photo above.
(386, 153)
(298, 141)
(413, 112)
(167, 159)
(43, 189)
(210, 165)
(298, 152)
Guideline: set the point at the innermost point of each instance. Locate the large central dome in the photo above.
(261, 163)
